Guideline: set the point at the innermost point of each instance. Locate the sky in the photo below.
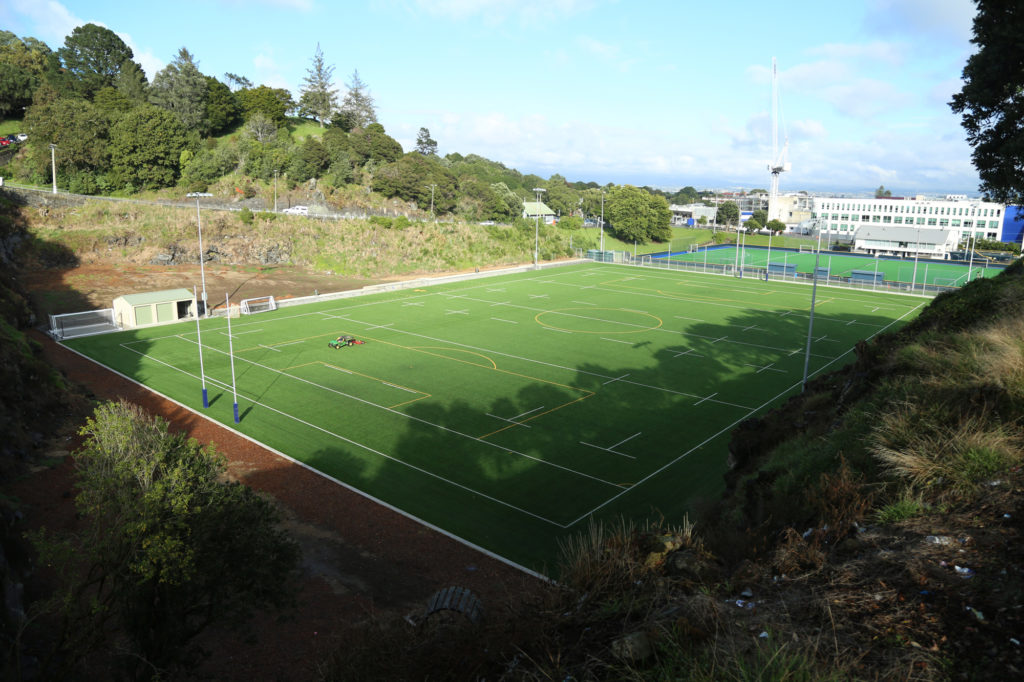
(646, 92)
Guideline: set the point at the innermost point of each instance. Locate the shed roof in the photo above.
(149, 297)
(532, 208)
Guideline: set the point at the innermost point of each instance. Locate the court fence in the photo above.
(780, 274)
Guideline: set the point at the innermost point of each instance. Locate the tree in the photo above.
(146, 146)
(131, 81)
(318, 97)
(271, 102)
(91, 58)
(309, 161)
(410, 177)
(752, 225)
(776, 226)
(702, 221)
(761, 216)
(637, 215)
(373, 144)
(882, 192)
(181, 89)
(991, 101)
(78, 128)
(222, 110)
(167, 547)
(260, 127)
(112, 101)
(238, 82)
(358, 102)
(426, 145)
(22, 65)
(728, 213)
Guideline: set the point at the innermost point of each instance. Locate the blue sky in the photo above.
(667, 93)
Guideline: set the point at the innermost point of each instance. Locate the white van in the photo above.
(297, 210)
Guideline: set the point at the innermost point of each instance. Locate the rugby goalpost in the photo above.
(259, 304)
(804, 248)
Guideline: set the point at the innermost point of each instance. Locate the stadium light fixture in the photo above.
(536, 229)
(202, 267)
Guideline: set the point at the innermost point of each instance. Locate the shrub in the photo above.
(246, 216)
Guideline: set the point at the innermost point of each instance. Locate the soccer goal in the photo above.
(71, 325)
(259, 304)
(951, 282)
(806, 249)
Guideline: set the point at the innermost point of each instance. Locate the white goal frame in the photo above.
(258, 304)
(805, 248)
(86, 323)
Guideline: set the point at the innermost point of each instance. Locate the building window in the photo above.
(898, 220)
(920, 221)
(931, 222)
(944, 222)
(956, 223)
(887, 219)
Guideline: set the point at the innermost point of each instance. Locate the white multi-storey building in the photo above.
(843, 216)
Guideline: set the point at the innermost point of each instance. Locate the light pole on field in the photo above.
(536, 232)
(202, 260)
(53, 165)
(917, 249)
(602, 225)
(432, 202)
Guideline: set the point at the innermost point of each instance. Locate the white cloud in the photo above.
(876, 51)
(52, 20)
(268, 72)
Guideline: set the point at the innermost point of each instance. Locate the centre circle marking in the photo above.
(653, 321)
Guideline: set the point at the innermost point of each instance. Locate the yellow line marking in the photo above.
(540, 414)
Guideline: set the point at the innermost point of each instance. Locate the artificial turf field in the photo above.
(507, 410)
(943, 273)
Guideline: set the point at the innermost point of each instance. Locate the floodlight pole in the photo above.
(810, 322)
(970, 262)
(916, 249)
(602, 225)
(231, 354)
(275, 190)
(199, 341)
(202, 261)
(536, 229)
(432, 203)
(53, 165)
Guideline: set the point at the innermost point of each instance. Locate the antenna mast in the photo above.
(779, 163)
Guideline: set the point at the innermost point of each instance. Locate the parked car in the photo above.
(12, 138)
(4, 142)
(21, 137)
(297, 210)
(487, 222)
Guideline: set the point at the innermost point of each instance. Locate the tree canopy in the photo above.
(319, 97)
(358, 102)
(637, 215)
(425, 144)
(728, 213)
(991, 101)
(146, 146)
(91, 58)
(167, 546)
(181, 89)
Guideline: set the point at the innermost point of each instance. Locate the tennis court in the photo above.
(923, 272)
(507, 410)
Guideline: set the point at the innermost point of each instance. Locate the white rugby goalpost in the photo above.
(259, 304)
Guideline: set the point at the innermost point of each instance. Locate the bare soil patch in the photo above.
(88, 287)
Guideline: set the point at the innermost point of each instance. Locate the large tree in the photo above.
(222, 109)
(146, 146)
(991, 102)
(358, 102)
(728, 213)
(22, 65)
(91, 58)
(181, 89)
(410, 179)
(319, 97)
(273, 103)
(167, 547)
(372, 143)
(78, 128)
(637, 215)
(426, 145)
(131, 81)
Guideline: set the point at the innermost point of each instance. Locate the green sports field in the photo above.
(507, 410)
(840, 265)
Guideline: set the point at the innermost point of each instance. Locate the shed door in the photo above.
(143, 315)
(165, 312)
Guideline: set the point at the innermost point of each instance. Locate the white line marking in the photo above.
(291, 343)
(337, 368)
(584, 303)
(628, 343)
(615, 379)
(268, 348)
(418, 304)
(626, 440)
(688, 351)
(400, 388)
(598, 447)
(695, 319)
(498, 319)
(706, 398)
(552, 329)
(457, 312)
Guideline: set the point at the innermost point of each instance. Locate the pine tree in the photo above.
(426, 145)
(181, 89)
(358, 102)
(318, 97)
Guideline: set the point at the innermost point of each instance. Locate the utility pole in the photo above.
(432, 203)
(536, 232)
(602, 225)
(275, 190)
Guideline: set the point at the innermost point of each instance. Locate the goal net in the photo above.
(71, 325)
(806, 249)
(261, 304)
